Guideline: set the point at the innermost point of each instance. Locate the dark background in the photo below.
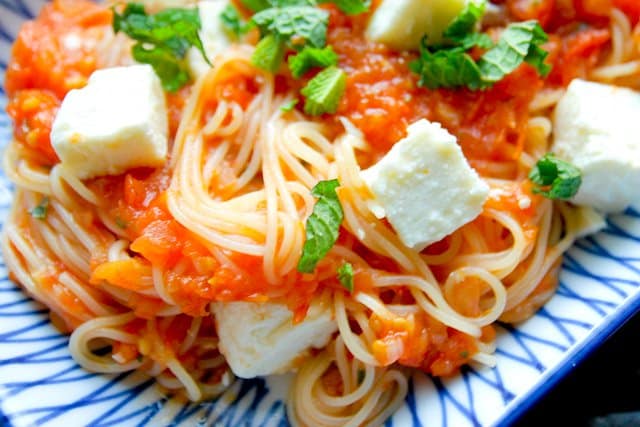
(601, 391)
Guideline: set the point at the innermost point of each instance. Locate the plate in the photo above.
(41, 385)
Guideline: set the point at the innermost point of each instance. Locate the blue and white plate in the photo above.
(41, 385)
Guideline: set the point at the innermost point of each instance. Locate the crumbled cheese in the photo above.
(425, 187)
(213, 36)
(524, 202)
(597, 129)
(261, 339)
(117, 122)
(401, 24)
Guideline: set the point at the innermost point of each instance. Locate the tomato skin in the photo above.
(33, 113)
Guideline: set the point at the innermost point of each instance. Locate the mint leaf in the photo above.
(288, 3)
(518, 42)
(322, 226)
(296, 24)
(345, 276)
(289, 106)
(233, 23)
(323, 92)
(269, 53)
(555, 178)
(466, 22)
(162, 39)
(256, 5)
(173, 74)
(451, 66)
(311, 57)
(536, 55)
(351, 7)
(41, 210)
(447, 68)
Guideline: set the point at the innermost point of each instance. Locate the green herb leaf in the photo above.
(537, 55)
(269, 53)
(256, 5)
(173, 29)
(289, 106)
(173, 74)
(449, 65)
(447, 68)
(466, 22)
(289, 3)
(299, 25)
(162, 39)
(345, 276)
(555, 178)
(323, 92)
(233, 23)
(40, 211)
(311, 57)
(517, 43)
(322, 226)
(351, 7)
(360, 377)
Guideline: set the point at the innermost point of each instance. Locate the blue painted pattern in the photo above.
(41, 385)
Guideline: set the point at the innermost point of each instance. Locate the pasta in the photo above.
(130, 265)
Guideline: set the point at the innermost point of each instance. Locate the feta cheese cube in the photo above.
(425, 187)
(261, 339)
(597, 128)
(117, 122)
(213, 36)
(401, 24)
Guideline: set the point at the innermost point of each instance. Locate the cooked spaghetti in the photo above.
(134, 262)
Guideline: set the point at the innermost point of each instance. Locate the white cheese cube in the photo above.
(425, 187)
(597, 128)
(213, 36)
(401, 24)
(261, 339)
(116, 122)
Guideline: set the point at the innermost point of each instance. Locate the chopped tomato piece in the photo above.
(33, 112)
(579, 53)
(56, 51)
(540, 10)
(126, 274)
